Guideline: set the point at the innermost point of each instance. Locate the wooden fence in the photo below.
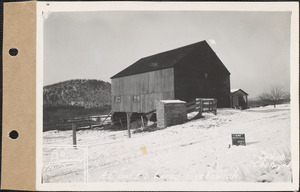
(81, 123)
(202, 105)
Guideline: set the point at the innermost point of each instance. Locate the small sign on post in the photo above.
(201, 107)
(238, 139)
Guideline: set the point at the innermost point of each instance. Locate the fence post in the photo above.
(128, 124)
(201, 107)
(74, 134)
(90, 122)
(216, 106)
(100, 120)
(142, 121)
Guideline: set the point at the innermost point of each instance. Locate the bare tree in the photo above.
(274, 96)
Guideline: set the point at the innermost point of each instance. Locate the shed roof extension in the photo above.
(160, 61)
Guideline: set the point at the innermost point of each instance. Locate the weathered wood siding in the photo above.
(150, 87)
(201, 75)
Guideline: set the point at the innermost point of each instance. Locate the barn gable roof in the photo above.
(160, 61)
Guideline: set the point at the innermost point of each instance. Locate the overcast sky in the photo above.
(254, 46)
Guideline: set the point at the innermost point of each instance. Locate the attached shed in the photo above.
(238, 98)
(186, 73)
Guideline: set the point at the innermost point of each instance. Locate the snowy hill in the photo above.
(76, 98)
(78, 92)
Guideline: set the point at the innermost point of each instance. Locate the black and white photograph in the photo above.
(166, 96)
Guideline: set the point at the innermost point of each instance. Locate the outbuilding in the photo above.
(238, 98)
(186, 73)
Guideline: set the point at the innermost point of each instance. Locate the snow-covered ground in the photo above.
(199, 150)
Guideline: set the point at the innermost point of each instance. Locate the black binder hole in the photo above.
(14, 134)
(13, 51)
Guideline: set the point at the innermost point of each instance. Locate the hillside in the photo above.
(81, 93)
(76, 98)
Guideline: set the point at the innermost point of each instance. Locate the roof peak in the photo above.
(235, 90)
(181, 47)
(162, 60)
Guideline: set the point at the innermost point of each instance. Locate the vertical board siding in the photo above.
(158, 79)
(144, 83)
(127, 103)
(168, 81)
(151, 87)
(120, 90)
(114, 89)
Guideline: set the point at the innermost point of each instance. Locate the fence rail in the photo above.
(202, 105)
(81, 122)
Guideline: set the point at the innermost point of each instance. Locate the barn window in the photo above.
(117, 99)
(154, 64)
(205, 75)
(136, 98)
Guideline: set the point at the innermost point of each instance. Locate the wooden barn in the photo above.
(238, 98)
(186, 73)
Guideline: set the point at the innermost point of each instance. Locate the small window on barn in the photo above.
(154, 64)
(205, 75)
(117, 99)
(136, 98)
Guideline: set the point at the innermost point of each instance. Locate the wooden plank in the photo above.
(128, 85)
(120, 106)
(115, 87)
(151, 82)
(135, 105)
(158, 81)
(128, 115)
(142, 103)
(168, 95)
(121, 86)
(168, 80)
(145, 83)
(150, 102)
(147, 102)
(137, 84)
(127, 103)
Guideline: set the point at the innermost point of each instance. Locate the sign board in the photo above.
(238, 139)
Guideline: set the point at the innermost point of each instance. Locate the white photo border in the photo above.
(172, 6)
